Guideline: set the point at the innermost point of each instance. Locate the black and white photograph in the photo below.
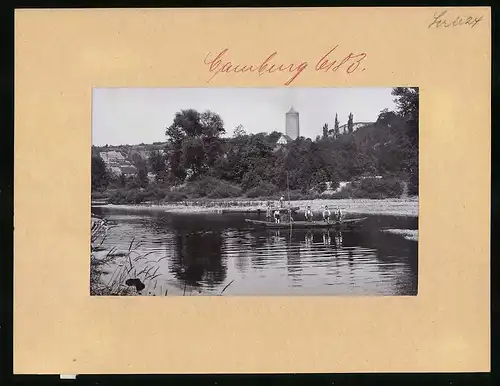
(254, 191)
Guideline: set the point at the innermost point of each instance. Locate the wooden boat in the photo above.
(344, 224)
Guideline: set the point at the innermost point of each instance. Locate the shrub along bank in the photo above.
(211, 188)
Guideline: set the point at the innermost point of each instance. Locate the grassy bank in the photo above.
(394, 207)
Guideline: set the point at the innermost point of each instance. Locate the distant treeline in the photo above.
(198, 162)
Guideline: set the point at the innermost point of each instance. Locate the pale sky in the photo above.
(140, 115)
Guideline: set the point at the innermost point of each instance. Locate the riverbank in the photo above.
(407, 207)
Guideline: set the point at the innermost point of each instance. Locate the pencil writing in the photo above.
(442, 20)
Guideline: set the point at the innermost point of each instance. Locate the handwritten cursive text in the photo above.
(442, 20)
(219, 63)
(352, 61)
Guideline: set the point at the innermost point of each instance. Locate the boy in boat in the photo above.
(277, 216)
(309, 214)
(326, 215)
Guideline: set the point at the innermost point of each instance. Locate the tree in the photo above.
(350, 123)
(386, 117)
(122, 180)
(407, 103)
(142, 173)
(325, 130)
(99, 175)
(157, 165)
(336, 130)
(239, 131)
(136, 158)
(193, 142)
(193, 155)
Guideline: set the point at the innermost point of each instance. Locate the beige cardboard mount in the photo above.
(60, 55)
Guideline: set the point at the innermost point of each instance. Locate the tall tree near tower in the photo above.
(350, 123)
(336, 129)
(325, 130)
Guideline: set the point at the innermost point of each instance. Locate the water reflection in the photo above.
(293, 262)
(198, 260)
(202, 254)
(327, 239)
(309, 239)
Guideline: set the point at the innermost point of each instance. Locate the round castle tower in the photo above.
(292, 124)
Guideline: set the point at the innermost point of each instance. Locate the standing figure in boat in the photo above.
(309, 214)
(277, 216)
(282, 202)
(268, 211)
(339, 214)
(326, 215)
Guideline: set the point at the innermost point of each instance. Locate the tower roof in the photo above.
(292, 110)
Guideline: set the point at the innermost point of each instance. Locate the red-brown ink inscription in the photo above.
(219, 63)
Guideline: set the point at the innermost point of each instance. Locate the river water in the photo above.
(210, 254)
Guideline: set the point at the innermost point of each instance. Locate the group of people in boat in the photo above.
(277, 213)
(327, 214)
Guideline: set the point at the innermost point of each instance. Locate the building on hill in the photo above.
(111, 156)
(355, 126)
(128, 170)
(282, 142)
(292, 126)
(116, 170)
